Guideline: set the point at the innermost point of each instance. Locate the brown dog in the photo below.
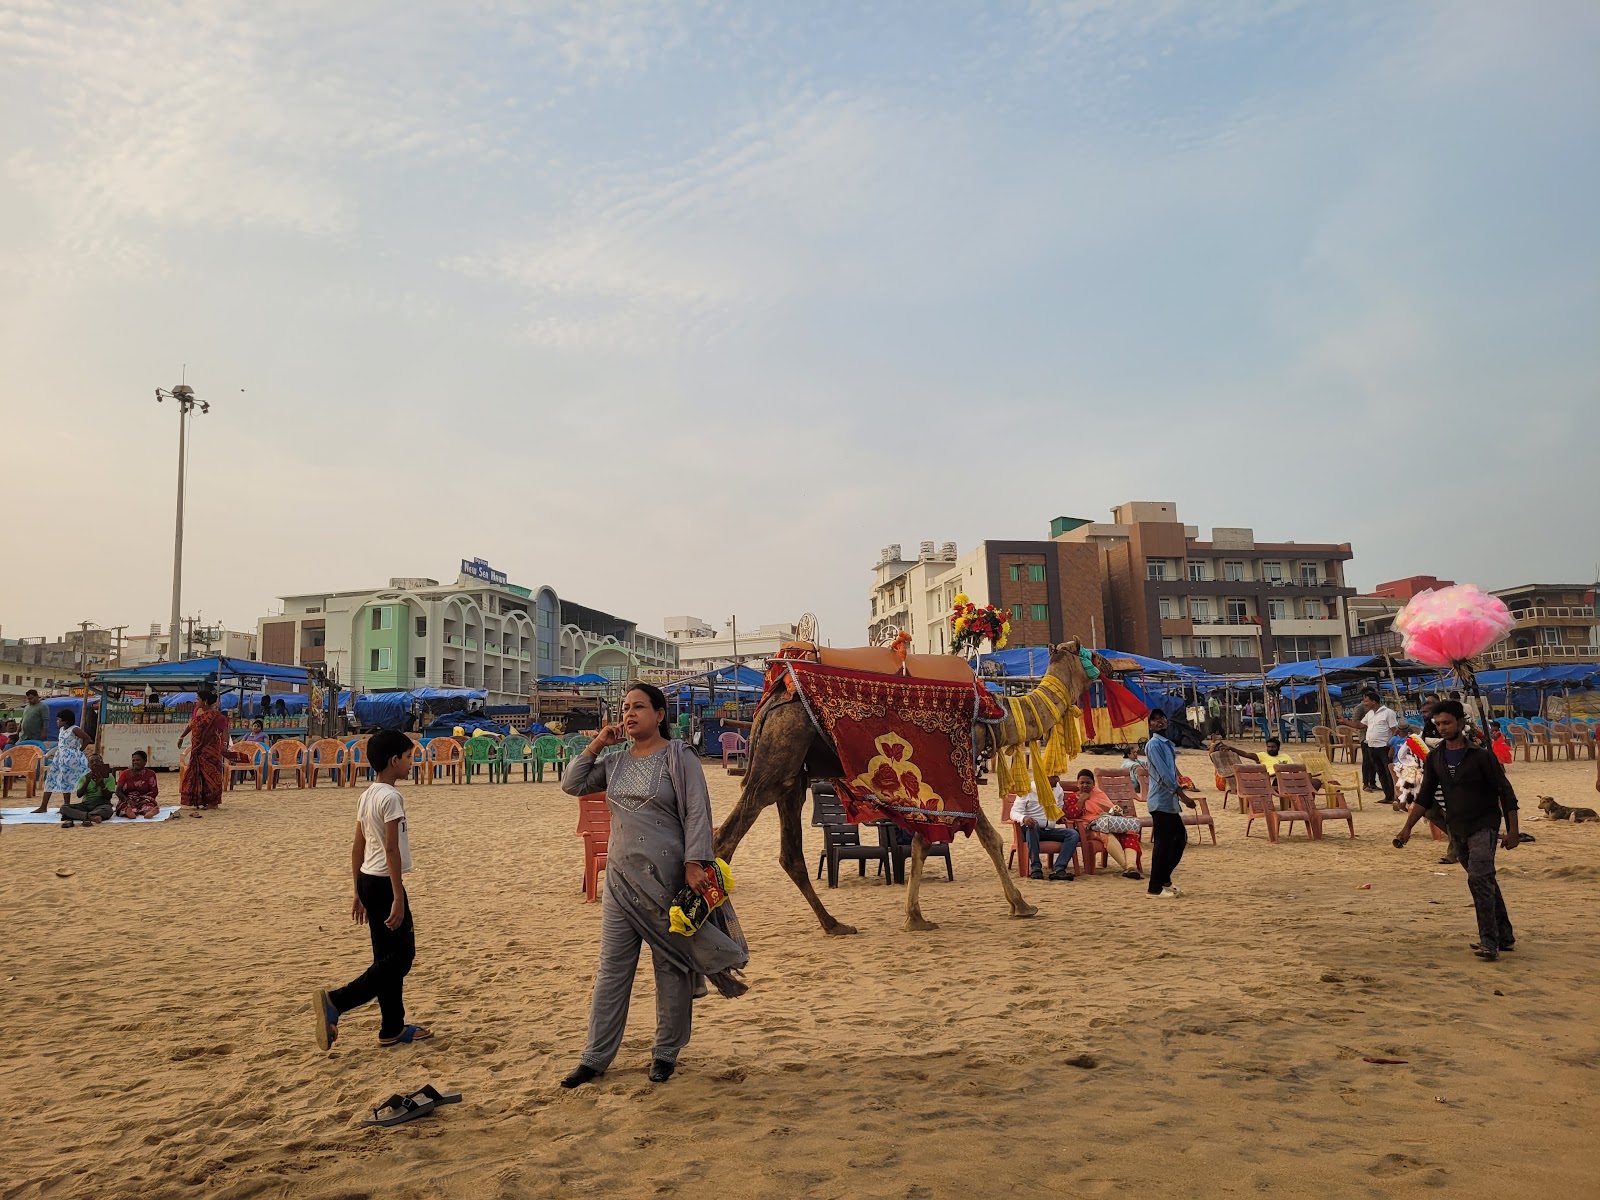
(1560, 812)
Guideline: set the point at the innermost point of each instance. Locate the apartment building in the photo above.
(482, 631)
(47, 667)
(704, 648)
(1555, 624)
(1228, 603)
(1051, 589)
(142, 649)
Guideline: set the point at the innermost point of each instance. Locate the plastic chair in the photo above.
(549, 751)
(1222, 764)
(480, 754)
(1049, 848)
(330, 755)
(1539, 735)
(20, 762)
(355, 760)
(1255, 789)
(445, 758)
(421, 771)
(594, 827)
(842, 840)
(1295, 787)
(576, 744)
(288, 754)
(515, 750)
(256, 767)
(1334, 786)
(732, 744)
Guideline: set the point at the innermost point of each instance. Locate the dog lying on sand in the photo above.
(1560, 812)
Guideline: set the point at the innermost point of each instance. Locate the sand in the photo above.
(159, 1042)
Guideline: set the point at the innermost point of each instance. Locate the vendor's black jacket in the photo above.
(1474, 796)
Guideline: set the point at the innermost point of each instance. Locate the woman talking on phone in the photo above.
(660, 842)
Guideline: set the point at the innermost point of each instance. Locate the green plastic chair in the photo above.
(548, 751)
(516, 750)
(481, 753)
(577, 743)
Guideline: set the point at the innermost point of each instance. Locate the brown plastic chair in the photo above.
(289, 755)
(1295, 787)
(256, 767)
(1222, 764)
(421, 772)
(1255, 789)
(327, 754)
(1350, 743)
(1323, 736)
(1117, 784)
(20, 762)
(1049, 848)
(445, 758)
(1539, 736)
(1200, 819)
(1562, 740)
(1521, 741)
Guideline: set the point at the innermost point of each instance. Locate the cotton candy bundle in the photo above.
(1452, 625)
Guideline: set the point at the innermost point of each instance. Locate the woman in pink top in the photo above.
(1105, 827)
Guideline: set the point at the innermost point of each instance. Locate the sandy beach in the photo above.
(160, 1043)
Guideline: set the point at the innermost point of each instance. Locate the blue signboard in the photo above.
(479, 569)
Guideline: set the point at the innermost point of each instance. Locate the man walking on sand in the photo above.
(1477, 795)
(1168, 836)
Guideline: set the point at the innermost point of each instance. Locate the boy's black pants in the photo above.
(392, 953)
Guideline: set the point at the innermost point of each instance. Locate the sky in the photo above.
(693, 307)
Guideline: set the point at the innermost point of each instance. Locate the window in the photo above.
(1168, 607)
(1197, 572)
(1166, 648)
(1202, 647)
(1308, 574)
(380, 658)
(1277, 609)
(1233, 572)
(545, 649)
(1272, 572)
(1155, 569)
(422, 627)
(1312, 609)
(1041, 612)
(383, 617)
(1016, 612)
(1200, 610)
(1238, 612)
(1036, 572)
(1016, 572)
(419, 667)
(315, 637)
(1241, 648)
(874, 606)
(1550, 636)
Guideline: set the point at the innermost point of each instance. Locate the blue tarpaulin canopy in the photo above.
(389, 710)
(1033, 661)
(1328, 667)
(234, 671)
(588, 680)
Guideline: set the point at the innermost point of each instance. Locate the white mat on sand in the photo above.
(26, 816)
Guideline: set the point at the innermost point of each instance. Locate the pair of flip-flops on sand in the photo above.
(398, 1109)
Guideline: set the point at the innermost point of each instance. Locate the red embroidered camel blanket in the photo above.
(905, 744)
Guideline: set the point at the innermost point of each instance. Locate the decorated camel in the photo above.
(819, 698)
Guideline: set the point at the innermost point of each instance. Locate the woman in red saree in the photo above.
(201, 783)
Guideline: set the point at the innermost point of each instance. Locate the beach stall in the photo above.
(135, 713)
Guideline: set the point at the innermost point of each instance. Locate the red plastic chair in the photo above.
(732, 744)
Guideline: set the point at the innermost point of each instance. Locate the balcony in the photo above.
(452, 639)
(1387, 643)
(1565, 615)
(1532, 655)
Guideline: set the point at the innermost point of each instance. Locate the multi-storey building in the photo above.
(142, 649)
(1228, 604)
(703, 648)
(35, 663)
(481, 631)
(1555, 624)
(1051, 589)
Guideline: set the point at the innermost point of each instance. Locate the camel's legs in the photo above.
(991, 843)
(792, 856)
(915, 922)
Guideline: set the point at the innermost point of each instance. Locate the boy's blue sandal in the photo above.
(411, 1033)
(327, 1019)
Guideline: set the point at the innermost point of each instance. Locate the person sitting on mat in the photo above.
(138, 789)
(94, 795)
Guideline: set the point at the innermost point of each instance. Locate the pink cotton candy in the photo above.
(1452, 625)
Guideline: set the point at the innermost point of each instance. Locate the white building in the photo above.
(702, 648)
(142, 649)
(481, 631)
(899, 593)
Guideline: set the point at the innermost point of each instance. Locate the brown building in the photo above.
(1555, 624)
(1227, 604)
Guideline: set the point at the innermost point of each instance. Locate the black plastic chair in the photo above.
(899, 844)
(841, 841)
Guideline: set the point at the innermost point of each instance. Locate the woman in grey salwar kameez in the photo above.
(660, 838)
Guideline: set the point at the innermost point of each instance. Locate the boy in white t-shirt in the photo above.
(379, 858)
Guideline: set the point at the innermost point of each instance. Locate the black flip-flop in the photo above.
(398, 1109)
(430, 1092)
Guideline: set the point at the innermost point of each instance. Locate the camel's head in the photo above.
(1066, 664)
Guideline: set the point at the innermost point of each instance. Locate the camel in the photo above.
(783, 739)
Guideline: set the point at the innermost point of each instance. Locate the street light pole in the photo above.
(184, 395)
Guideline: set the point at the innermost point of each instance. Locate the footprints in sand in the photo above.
(186, 1053)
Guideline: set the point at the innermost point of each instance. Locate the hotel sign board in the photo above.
(660, 676)
(479, 569)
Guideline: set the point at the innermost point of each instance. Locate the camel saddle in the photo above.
(883, 660)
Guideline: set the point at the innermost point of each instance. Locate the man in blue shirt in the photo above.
(1168, 835)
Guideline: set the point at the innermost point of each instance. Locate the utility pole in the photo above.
(734, 620)
(187, 401)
